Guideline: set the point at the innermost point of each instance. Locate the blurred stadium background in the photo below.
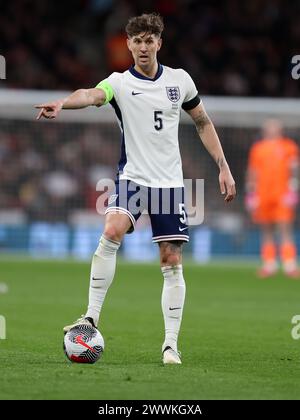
(238, 53)
(236, 336)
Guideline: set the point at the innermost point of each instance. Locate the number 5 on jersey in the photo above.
(158, 120)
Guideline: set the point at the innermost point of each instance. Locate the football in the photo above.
(83, 344)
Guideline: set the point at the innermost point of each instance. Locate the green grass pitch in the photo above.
(235, 340)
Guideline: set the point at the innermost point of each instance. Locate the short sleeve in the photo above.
(191, 97)
(111, 86)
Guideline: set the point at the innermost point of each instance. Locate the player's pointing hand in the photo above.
(49, 110)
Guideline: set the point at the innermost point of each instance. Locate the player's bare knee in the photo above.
(170, 253)
(171, 260)
(112, 233)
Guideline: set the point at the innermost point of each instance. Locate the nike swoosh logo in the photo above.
(136, 93)
(181, 229)
(173, 309)
(79, 340)
(94, 278)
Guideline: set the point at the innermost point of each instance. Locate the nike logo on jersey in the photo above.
(136, 93)
(173, 309)
(181, 229)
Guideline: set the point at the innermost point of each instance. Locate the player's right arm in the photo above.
(81, 98)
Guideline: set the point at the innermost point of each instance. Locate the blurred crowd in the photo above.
(229, 47)
(51, 170)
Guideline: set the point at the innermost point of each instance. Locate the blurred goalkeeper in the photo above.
(148, 99)
(272, 187)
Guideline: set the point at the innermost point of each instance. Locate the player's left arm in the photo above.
(210, 139)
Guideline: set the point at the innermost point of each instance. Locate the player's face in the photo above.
(272, 128)
(144, 48)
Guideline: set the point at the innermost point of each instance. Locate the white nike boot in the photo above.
(171, 357)
(80, 321)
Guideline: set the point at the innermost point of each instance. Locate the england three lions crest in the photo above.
(173, 93)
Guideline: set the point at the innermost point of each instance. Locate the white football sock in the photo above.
(102, 274)
(172, 302)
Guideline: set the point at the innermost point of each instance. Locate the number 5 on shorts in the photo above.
(182, 213)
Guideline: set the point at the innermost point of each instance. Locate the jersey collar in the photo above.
(141, 76)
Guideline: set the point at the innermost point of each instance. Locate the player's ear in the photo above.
(159, 44)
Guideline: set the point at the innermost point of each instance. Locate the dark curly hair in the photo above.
(151, 23)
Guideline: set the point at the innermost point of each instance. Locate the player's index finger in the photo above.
(49, 105)
(39, 114)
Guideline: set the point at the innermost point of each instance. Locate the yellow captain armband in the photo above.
(109, 93)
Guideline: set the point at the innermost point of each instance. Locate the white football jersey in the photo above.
(148, 111)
